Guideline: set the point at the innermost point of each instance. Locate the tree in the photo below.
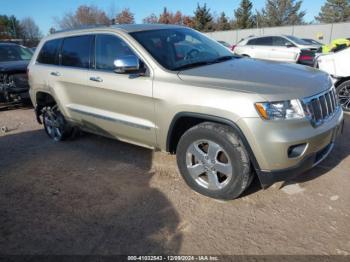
(84, 15)
(165, 17)
(30, 31)
(243, 15)
(151, 19)
(9, 27)
(188, 21)
(282, 12)
(177, 19)
(222, 23)
(125, 17)
(334, 11)
(203, 20)
(52, 30)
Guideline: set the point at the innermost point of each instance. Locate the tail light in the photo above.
(306, 58)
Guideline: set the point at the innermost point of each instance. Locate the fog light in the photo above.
(296, 150)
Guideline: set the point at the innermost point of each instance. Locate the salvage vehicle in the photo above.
(337, 65)
(335, 45)
(14, 60)
(226, 118)
(282, 48)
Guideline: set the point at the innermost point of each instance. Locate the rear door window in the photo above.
(76, 51)
(49, 52)
(263, 41)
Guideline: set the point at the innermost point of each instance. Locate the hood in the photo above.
(14, 66)
(271, 80)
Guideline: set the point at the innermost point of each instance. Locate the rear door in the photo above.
(262, 47)
(69, 81)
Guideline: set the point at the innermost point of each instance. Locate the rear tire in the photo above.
(55, 125)
(213, 161)
(343, 92)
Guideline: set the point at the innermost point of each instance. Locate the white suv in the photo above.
(337, 65)
(279, 48)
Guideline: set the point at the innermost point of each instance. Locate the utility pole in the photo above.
(14, 27)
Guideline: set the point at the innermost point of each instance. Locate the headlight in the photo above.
(291, 109)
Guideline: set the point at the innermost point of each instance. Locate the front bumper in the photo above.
(270, 142)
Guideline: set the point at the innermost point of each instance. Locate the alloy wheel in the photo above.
(54, 123)
(344, 96)
(209, 164)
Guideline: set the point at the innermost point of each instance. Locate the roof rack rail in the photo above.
(80, 28)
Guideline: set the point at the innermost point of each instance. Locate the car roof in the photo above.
(144, 27)
(128, 28)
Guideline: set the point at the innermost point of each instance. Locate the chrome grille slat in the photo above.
(329, 103)
(321, 106)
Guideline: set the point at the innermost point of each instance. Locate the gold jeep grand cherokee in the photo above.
(171, 88)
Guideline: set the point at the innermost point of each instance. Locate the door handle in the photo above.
(96, 79)
(55, 73)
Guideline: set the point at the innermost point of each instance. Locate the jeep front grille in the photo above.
(320, 107)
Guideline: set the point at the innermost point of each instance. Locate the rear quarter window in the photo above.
(49, 52)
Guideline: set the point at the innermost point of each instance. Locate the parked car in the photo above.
(337, 65)
(227, 118)
(227, 45)
(279, 48)
(312, 42)
(14, 60)
(335, 45)
(306, 57)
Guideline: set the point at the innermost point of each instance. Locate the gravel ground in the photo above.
(99, 196)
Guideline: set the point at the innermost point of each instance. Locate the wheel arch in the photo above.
(42, 99)
(185, 120)
(341, 80)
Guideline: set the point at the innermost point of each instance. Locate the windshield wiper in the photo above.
(201, 63)
(222, 59)
(192, 65)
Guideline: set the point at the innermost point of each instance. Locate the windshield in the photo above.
(311, 41)
(14, 53)
(181, 48)
(298, 41)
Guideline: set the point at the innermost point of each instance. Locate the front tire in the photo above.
(56, 127)
(213, 161)
(343, 92)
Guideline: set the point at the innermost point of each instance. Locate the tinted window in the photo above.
(280, 41)
(251, 42)
(181, 48)
(76, 51)
(108, 49)
(263, 41)
(49, 52)
(14, 53)
(297, 40)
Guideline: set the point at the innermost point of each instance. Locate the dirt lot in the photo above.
(99, 196)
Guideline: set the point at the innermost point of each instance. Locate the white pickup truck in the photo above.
(337, 64)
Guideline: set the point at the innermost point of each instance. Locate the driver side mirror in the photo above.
(288, 45)
(127, 64)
